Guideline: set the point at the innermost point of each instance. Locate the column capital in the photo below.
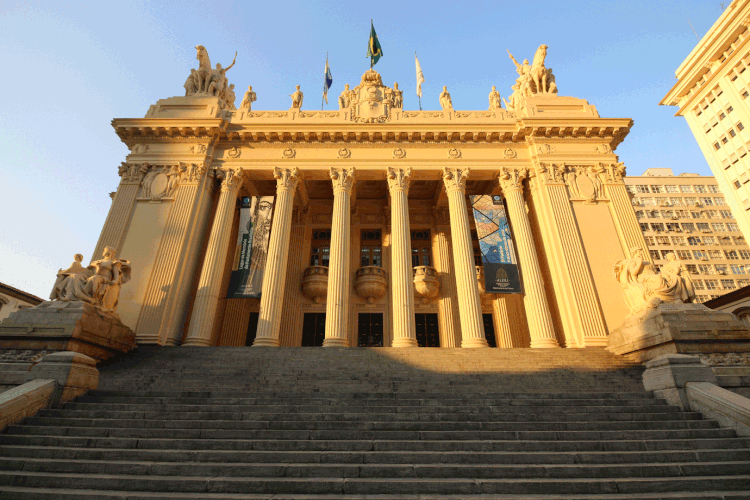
(231, 178)
(399, 179)
(192, 172)
(511, 179)
(286, 178)
(342, 178)
(132, 173)
(455, 178)
(611, 172)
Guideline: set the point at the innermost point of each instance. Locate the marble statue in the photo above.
(190, 83)
(445, 99)
(398, 96)
(229, 97)
(206, 80)
(249, 99)
(98, 284)
(533, 78)
(297, 98)
(345, 97)
(645, 288)
(494, 99)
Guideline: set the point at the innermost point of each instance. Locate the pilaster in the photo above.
(209, 285)
(402, 274)
(621, 208)
(274, 280)
(469, 303)
(289, 334)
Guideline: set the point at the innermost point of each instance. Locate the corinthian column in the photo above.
(469, 303)
(535, 301)
(339, 279)
(209, 286)
(402, 273)
(274, 279)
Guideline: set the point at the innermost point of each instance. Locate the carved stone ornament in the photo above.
(370, 101)
(198, 148)
(645, 288)
(234, 152)
(399, 153)
(548, 172)
(426, 283)
(370, 283)
(512, 178)
(286, 178)
(231, 178)
(342, 178)
(98, 284)
(454, 153)
(192, 172)
(315, 283)
(399, 178)
(455, 178)
(545, 149)
(289, 153)
(602, 149)
(160, 183)
(510, 153)
(141, 148)
(132, 173)
(584, 182)
(210, 81)
(532, 79)
(345, 153)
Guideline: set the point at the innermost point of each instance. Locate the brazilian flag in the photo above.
(374, 52)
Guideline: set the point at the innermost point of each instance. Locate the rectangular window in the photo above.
(677, 202)
(700, 188)
(674, 227)
(718, 227)
(707, 201)
(668, 214)
(421, 254)
(713, 188)
(712, 214)
(686, 188)
(630, 188)
(737, 184)
(683, 214)
(719, 201)
(642, 188)
(730, 109)
(649, 240)
(731, 255)
(371, 254)
(678, 240)
(684, 255)
(705, 269)
(724, 140)
(691, 201)
(662, 240)
(739, 240)
(716, 255)
(653, 214)
(644, 227)
(728, 284)
(732, 226)
(732, 132)
(698, 285)
(709, 240)
(320, 251)
(745, 254)
(722, 116)
(697, 215)
(726, 214)
(657, 227)
(688, 226)
(655, 254)
(648, 202)
(657, 189)
(700, 255)
(738, 268)
(671, 188)
(717, 145)
(740, 126)
(703, 226)
(692, 269)
(639, 214)
(743, 283)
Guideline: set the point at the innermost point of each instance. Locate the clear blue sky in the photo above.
(70, 68)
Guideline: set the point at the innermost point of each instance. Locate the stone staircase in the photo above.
(314, 423)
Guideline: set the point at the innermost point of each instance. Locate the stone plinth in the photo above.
(67, 326)
(678, 329)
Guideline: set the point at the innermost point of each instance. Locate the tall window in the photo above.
(371, 248)
(686, 189)
(421, 251)
(320, 251)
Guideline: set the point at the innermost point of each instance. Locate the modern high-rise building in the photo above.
(712, 90)
(687, 214)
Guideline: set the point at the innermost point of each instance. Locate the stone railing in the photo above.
(315, 283)
(370, 283)
(426, 283)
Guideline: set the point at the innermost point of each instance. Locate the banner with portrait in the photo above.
(249, 262)
(496, 244)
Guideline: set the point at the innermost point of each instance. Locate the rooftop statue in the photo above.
(249, 99)
(98, 284)
(445, 99)
(297, 98)
(345, 97)
(494, 99)
(208, 81)
(645, 288)
(398, 96)
(532, 79)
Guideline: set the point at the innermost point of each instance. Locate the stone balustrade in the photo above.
(315, 283)
(370, 283)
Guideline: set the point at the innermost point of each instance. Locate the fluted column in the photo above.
(450, 328)
(469, 303)
(339, 279)
(209, 286)
(402, 273)
(538, 315)
(274, 279)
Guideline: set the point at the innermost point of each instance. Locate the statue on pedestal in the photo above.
(209, 81)
(398, 96)
(494, 99)
(297, 98)
(345, 97)
(532, 79)
(645, 288)
(249, 99)
(445, 99)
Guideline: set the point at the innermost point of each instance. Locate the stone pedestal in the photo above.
(678, 329)
(67, 326)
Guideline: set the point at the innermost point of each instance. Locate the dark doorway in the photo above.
(428, 333)
(489, 330)
(370, 330)
(252, 327)
(313, 329)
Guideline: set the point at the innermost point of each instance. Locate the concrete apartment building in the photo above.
(688, 214)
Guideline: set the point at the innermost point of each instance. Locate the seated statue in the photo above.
(645, 288)
(98, 284)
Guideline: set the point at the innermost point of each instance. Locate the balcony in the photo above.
(370, 283)
(315, 283)
(426, 283)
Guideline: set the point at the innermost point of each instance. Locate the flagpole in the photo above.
(420, 93)
(325, 75)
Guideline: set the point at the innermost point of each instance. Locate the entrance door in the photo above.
(252, 327)
(489, 330)
(370, 330)
(428, 334)
(313, 329)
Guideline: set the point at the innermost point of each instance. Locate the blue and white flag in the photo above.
(328, 80)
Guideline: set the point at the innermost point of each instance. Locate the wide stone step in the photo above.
(347, 434)
(373, 424)
(725, 440)
(403, 470)
(379, 457)
(391, 486)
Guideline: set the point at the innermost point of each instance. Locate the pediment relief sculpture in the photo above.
(98, 284)
(371, 101)
(645, 288)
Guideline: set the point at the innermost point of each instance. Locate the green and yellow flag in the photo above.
(374, 52)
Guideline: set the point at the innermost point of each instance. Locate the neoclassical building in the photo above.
(372, 240)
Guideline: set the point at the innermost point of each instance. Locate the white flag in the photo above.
(420, 76)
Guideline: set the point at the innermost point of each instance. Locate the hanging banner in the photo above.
(496, 243)
(249, 263)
